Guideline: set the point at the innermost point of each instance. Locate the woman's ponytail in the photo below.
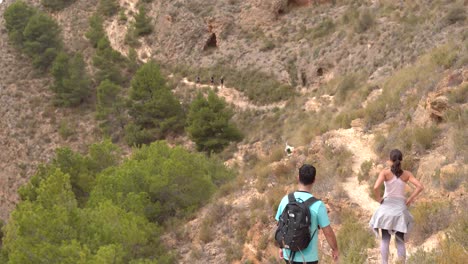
(396, 157)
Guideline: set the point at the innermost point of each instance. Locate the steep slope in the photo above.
(31, 128)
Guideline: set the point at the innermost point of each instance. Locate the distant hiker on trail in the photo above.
(393, 217)
(197, 80)
(299, 216)
(212, 80)
(222, 81)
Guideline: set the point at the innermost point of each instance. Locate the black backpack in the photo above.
(293, 231)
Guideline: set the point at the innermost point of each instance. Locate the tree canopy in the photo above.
(94, 208)
(72, 83)
(209, 123)
(34, 32)
(154, 109)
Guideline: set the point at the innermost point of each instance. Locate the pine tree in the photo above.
(96, 30)
(142, 22)
(17, 16)
(42, 40)
(153, 107)
(209, 124)
(109, 63)
(72, 84)
(110, 108)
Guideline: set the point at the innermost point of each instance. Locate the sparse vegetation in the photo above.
(353, 239)
(429, 218)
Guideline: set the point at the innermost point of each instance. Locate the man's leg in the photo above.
(384, 246)
(400, 244)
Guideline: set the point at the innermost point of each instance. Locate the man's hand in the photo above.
(331, 239)
(335, 255)
(281, 253)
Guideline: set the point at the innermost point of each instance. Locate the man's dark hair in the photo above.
(307, 174)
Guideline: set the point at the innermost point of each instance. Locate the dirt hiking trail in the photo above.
(234, 97)
(360, 145)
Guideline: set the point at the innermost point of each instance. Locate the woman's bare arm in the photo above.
(417, 191)
(377, 185)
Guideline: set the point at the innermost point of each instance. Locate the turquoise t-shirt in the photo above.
(319, 210)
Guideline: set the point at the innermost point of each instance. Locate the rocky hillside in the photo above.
(342, 81)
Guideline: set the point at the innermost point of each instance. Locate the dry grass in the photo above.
(429, 218)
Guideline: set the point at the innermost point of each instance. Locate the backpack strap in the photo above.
(310, 201)
(291, 197)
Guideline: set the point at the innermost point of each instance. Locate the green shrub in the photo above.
(71, 82)
(142, 22)
(110, 108)
(16, 17)
(56, 4)
(65, 130)
(209, 125)
(96, 30)
(42, 40)
(34, 32)
(110, 64)
(154, 109)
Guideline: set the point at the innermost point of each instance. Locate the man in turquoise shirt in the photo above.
(319, 215)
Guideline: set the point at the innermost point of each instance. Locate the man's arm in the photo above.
(331, 239)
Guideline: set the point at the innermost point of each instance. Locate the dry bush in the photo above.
(429, 218)
(233, 250)
(444, 56)
(452, 181)
(207, 232)
(274, 197)
(459, 95)
(425, 136)
(353, 239)
(364, 172)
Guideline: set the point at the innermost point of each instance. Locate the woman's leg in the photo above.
(384, 246)
(400, 244)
